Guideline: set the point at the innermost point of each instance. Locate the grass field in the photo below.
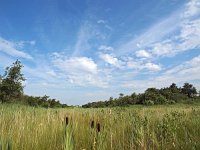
(137, 127)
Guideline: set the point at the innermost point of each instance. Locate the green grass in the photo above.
(137, 127)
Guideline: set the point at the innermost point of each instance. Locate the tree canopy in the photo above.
(11, 89)
(11, 82)
(152, 96)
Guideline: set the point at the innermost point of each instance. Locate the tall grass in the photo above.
(160, 127)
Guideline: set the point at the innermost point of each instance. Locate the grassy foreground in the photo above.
(156, 127)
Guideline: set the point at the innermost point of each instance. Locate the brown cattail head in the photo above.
(98, 127)
(92, 124)
(66, 120)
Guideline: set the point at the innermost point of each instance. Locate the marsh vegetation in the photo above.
(137, 127)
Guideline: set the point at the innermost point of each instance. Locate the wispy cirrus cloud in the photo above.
(22, 43)
(174, 34)
(105, 48)
(152, 67)
(141, 65)
(188, 35)
(188, 71)
(12, 48)
(188, 39)
(192, 8)
(155, 33)
(85, 33)
(101, 21)
(88, 37)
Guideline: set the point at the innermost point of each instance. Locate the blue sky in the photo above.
(84, 50)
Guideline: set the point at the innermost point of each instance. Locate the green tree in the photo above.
(174, 88)
(11, 82)
(189, 90)
(199, 93)
(1, 94)
(153, 96)
(121, 95)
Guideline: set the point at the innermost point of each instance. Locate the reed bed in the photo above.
(145, 128)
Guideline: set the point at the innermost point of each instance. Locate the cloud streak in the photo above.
(178, 33)
(188, 71)
(11, 48)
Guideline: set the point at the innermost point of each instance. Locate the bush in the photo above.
(161, 100)
(171, 102)
(149, 102)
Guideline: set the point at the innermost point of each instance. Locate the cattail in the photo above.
(9, 146)
(92, 124)
(110, 112)
(66, 120)
(98, 127)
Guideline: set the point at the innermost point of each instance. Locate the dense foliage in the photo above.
(11, 83)
(11, 89)
(152, 96)
(43, 101)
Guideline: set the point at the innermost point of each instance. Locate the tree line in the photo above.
(11, 89)
(152, 96)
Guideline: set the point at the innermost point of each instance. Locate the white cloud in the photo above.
(51, 73)
(41, 72)
(186, 72)
(10, 48)
(101, 21)
(84, 35)
(5, 61)
(106, 48)
(133, 64)
(108, 58)
(88, 80)
(192, 8)
(188, 39)
(22, 43)
(76, 65)
(152, 67)
(88, 32)
(188, 36)
(144, 66)
(174, 34)
(165, 48)
(143, 54)
(155, 33)
(140, 65)
(82, 71)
